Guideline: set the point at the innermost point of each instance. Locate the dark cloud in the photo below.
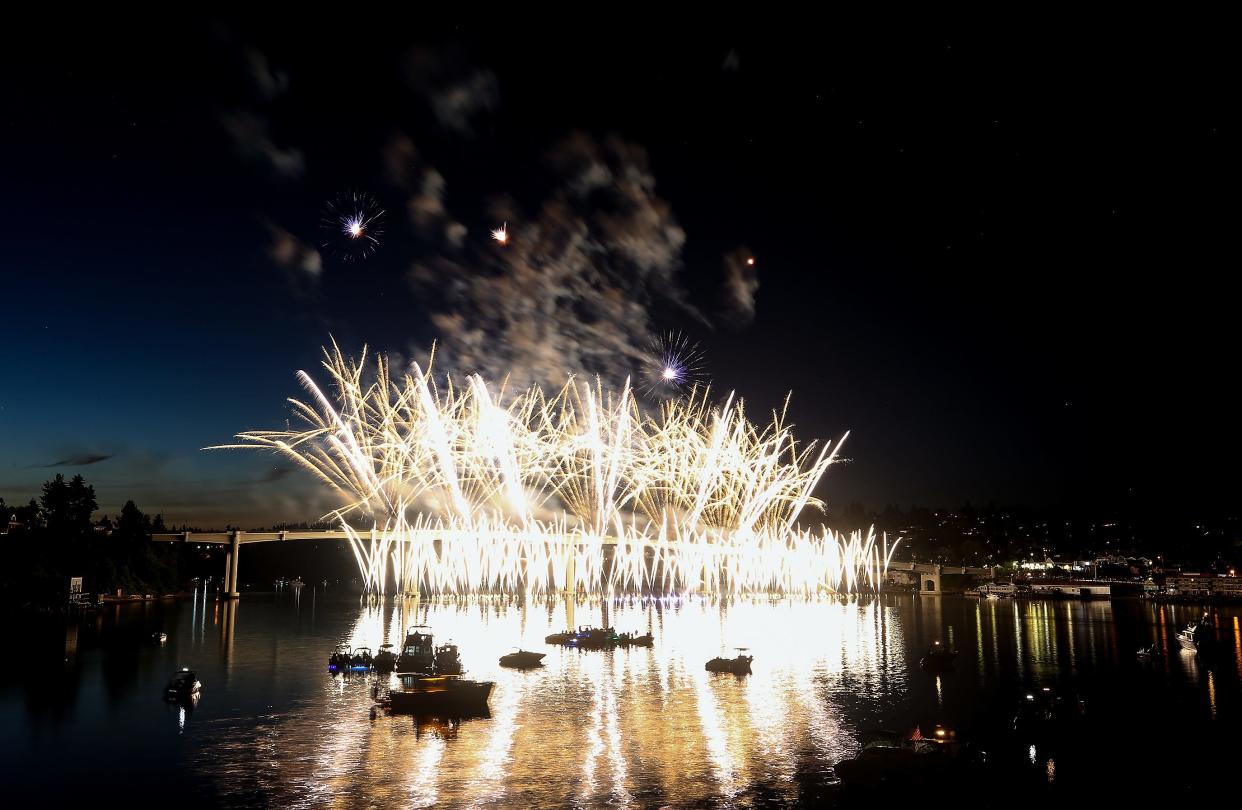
(732, 62)
(741, 282)
(81, 460)
(458, 104)
(400, 159)
(267, 82)
(425, 185)
(301, 262)
(575, 289)
(253, 142)
(456, 91)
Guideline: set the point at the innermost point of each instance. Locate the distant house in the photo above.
(1204, 585)
(11, 523)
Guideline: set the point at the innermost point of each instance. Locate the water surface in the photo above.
(83, 717)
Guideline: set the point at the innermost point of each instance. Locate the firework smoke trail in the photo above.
(525, 495)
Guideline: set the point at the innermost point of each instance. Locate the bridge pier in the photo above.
(228, 570)
(234, 554)
(571, 572)
(929, 582)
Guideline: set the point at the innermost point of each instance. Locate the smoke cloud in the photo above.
(741, 283)
(574, 289)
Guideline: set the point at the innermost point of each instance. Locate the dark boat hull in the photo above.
(938, 661)
(459, 698)
(522, 660)
(638, 641)
(728, 665)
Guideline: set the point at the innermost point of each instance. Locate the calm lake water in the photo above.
(81, 717)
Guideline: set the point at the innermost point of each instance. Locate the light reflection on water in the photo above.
(633, 727)
(591, 727)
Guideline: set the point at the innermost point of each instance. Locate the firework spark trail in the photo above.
(353, 224)
(524, 495)
(673, 363)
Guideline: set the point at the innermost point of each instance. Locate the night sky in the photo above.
(1003, 262)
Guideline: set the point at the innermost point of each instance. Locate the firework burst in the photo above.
(352, 225)
(468, 494)
(674, 363)
(501, 234)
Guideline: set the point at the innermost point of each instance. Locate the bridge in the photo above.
(928, 575)
(232, 541)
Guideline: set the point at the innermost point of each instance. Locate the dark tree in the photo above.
(68, 505)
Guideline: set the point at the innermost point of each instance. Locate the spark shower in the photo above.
(472, 491)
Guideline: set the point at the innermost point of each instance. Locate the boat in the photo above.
(938, 657)
(1149, 652)
(635, 640)
(444, 695)
(385, 659)
(1198, 637)
(159, 638)
(448, 662)
(340, 659)
(182, 686)
(595, 638)
(1048, 714)
(418, 652)
(521, 659)
(599, 638)
(360, 659)
(738, 666)
(925, 758)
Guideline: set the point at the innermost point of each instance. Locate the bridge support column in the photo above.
(571, 571)
(930, 580)
(235, 553)
(228, 570)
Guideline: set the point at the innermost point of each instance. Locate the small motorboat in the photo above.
(360, 659)
(938, 657)
(594, 638)
(340, 659)
(635, 640)
(182, 686)
(738, 666)
(448, 661)
(442, 695)
(898, 762)
(1198, 637)
(521, 659)
(1049, 715)
(385, 659)
(1149, 652)
(418, 653)
(565, 637)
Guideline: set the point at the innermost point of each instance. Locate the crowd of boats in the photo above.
(429, 678)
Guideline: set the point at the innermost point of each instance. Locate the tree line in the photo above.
(56, 537)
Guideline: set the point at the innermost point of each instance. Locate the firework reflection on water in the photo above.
(627, 727)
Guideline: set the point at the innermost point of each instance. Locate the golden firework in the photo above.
(468, 493)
